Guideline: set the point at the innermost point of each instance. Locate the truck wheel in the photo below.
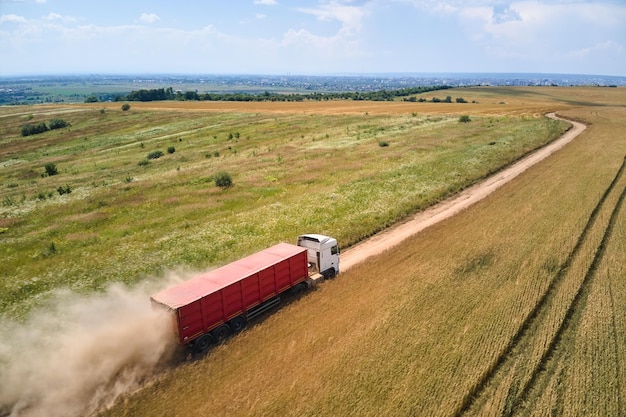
(221, 333)
(203, 343)
(237, 324)
(329, 273)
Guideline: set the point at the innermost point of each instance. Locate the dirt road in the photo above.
(395, 235)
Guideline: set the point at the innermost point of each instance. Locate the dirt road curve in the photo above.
(448, 208)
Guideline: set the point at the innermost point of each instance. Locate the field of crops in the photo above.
(513, 307)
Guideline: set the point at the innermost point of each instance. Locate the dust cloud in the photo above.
(79, 354)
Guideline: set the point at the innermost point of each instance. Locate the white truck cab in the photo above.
(323, 254)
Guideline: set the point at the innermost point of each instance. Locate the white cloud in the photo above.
(608, 47)
(261, 16)
(58, 17)
(266, 2)
(11, 18)
(41, 1)
(149, 18)
(351, 17)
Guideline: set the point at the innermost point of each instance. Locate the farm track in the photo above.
(392, 237)
(528, 385)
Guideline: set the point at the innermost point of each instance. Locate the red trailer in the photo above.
(210, 306)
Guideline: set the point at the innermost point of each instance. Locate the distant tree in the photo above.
(91, 99)
(191, 95)
(125, 107)
(460, 100)
(58, 124)
(448, 99)
(33, 129)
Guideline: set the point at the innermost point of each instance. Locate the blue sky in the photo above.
(312, 36)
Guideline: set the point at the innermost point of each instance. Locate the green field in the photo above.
(292, 173)
(513, 307)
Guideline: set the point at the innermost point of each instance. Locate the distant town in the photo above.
(36, 89)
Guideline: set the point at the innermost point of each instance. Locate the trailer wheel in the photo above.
(299, 289)
(237, 324)
(221, 333)
(203, 343)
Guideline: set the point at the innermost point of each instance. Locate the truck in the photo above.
(212, 305)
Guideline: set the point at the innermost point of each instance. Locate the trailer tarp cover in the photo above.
(217, 279)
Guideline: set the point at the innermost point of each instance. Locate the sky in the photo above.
(312, 37)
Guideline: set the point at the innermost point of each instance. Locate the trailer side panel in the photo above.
(215, 297)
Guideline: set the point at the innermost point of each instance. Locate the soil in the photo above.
(393, 236)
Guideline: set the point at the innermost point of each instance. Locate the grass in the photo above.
(291, 173)
(415, 331)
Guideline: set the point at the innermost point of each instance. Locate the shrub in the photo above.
(8, 201)
(50, 251)
(33, 129)
(171, 149)
(223, 180)
(51, 169)
(383, 143)
(125, 107)
(143, 163)
(465, 119)
(155, 155)
(461, 100)
(58, 124)
(64, 190)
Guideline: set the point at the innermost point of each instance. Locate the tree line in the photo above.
(161, 94)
